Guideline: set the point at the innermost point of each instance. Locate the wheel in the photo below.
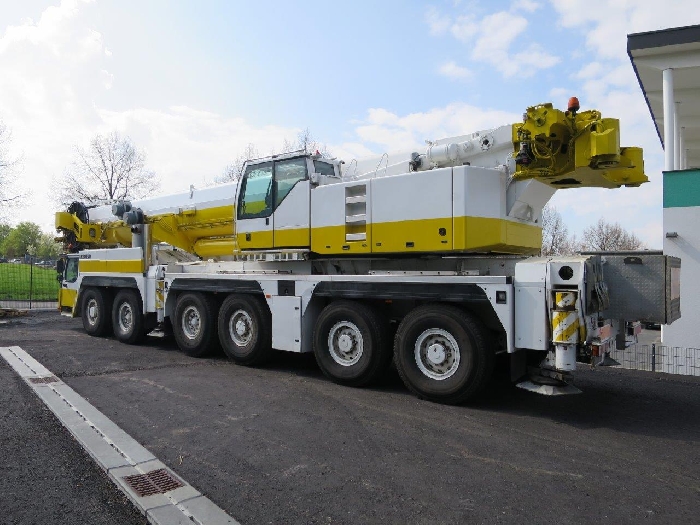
(194, 324)
(442, 355)
(350, 343)
(245, 330)
(95, 311)
(127, 318)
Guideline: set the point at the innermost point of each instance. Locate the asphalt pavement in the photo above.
(282, 444)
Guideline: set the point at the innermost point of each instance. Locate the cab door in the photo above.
(292, 204)
(254, 217)
(68, 293)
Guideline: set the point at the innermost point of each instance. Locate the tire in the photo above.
(245, 330)
(127, 317)
(462, 361)
(350, 343)
(194, 324)
(96, 312)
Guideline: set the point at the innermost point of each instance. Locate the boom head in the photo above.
(567, 149)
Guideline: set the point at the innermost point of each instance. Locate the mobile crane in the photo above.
(423, 257)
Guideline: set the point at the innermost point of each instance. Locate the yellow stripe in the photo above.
(462, 234)
(292, 238)
(117, 266)
(412, 236)
(481, 234)
(565, 327)
(331, 240)
(564, 299)
(260, 240)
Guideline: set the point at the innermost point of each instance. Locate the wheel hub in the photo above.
(345, 343)
(191, 322)
(126, 317)
(240, 328)
(437, 354)
(93, 311)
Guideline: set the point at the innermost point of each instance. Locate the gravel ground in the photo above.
(282, 444)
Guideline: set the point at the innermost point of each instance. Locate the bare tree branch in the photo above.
(555, 234)
(111, 168)
(604, 236)
(8, 169)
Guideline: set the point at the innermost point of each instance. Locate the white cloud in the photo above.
(452, 70)
(393, 132)
(437, 22)
(525, 5)
(491, 37)
(54, 70)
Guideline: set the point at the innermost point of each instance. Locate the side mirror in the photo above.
(60, 267)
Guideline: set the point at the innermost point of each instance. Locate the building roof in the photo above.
(679, 49)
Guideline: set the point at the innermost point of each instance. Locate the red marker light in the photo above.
(573, 105)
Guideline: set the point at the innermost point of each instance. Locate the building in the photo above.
(667, 64)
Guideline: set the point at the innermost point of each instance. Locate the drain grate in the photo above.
(43, 380)
(155, 482)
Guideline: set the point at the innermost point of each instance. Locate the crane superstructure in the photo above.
(306, 253)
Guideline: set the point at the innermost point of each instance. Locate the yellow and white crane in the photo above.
(305, 253)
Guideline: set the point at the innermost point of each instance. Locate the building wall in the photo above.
(682, 215)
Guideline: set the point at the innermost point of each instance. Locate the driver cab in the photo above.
(274, 202)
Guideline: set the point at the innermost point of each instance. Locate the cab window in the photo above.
(71, 270)
(324, 168)
(256, 193)
(287, 174)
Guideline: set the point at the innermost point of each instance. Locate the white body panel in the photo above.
(406, 197)
(479, 192)
(286, 323)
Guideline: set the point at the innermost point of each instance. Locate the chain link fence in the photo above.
(28, 284)
(659, 358)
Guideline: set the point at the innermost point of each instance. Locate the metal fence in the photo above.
(659, 358)
(28, 283)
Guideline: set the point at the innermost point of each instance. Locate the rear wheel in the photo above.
(350, 343)
(441, 354)
(245, 330)
(95, 311)
(194, 324)
(127, 317)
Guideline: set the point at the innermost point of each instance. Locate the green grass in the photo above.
(15, 282)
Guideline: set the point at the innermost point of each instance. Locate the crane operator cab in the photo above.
(274, 201)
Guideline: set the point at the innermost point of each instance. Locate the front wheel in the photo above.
(127, 318)
(95, 311)
(442, 355)
(350, 343)
(194, 324)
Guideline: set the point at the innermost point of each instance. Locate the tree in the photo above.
(23, 238)
(604, 236)
(555, 234)
(7, 167)
(47, 247)
(5, 230)
(111, 168)
(305, 142)
(234, 171)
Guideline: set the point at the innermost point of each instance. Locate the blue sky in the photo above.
(193, 82)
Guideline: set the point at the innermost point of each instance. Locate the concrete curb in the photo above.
(117, 453)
